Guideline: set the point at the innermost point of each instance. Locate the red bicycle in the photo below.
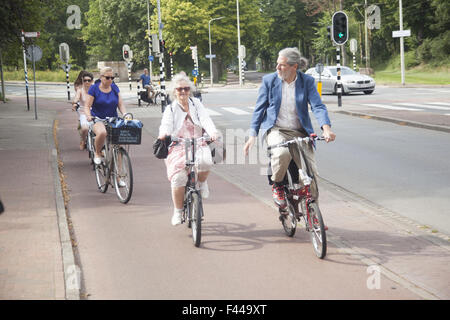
(300, 194)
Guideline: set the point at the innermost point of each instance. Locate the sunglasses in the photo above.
(87, 80)
(183, 88)
(109, 78)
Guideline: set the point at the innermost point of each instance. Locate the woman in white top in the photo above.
(81, 86)
(186, 117)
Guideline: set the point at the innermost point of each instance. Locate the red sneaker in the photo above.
(278, 196)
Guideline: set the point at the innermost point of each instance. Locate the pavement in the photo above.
(37, 256)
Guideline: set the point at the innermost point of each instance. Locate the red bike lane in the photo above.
(133, 252)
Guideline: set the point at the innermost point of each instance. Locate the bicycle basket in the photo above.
(124, 135)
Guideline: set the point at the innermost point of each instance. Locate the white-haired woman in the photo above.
(186, 117)
(102, 101)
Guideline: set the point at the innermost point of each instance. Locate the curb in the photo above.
(396, 121)
(72, 273)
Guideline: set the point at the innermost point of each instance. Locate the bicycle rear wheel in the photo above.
(289, 221)
(102, 176)
(196, 210)
(122, 175)
(316, 228)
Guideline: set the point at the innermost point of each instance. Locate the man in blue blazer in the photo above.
(281, 113)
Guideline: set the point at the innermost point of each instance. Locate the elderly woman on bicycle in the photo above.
(186, 117)
(102, 101)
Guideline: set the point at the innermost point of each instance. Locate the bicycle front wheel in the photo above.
(196, 210)
(316, 228)
(122, 175)
(102, 176)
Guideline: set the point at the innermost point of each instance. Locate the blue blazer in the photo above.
(269, 102)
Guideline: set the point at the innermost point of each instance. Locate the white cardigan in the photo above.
(173, 118)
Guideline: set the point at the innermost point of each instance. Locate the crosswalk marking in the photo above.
(390, 107)
(212, 112)
(440, 103)
(407, 104)
(235, 110)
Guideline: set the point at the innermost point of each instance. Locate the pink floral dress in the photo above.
(176, 159)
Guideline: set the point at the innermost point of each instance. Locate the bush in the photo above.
(411, 59)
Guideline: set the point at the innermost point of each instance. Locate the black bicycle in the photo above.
(115, 168)
(192, 208)
(297, 195)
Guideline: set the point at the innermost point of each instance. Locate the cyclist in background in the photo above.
(281, 112)
(102, 101)
(82, 85)
(147, 84)
(186, 117)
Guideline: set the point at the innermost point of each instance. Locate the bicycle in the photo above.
(192, 207)
(310, 213)
(115, 168)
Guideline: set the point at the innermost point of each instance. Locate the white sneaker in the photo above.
(176, 218)
(121, 183)
(204, 190)
(97, 160)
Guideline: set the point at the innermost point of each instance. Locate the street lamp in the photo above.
(210, 54)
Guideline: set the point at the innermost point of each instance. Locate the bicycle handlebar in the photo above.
(296, 140)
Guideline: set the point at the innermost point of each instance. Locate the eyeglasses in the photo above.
(109, 78)
(87, 80)
(183, 88)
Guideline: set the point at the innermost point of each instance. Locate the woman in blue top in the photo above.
(102, 101)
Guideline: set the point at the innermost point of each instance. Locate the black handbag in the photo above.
(161, 147)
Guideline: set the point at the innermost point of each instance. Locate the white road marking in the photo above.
(212, 112)
(390, 107)
(440, 103)
(407, 104)
(235, 110)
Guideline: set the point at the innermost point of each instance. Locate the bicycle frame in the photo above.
(190, 148)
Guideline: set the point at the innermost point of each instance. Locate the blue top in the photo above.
(145, 79)
(105, 104)
(269, 102)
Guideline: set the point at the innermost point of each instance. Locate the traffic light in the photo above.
(329, 32)
(126, 52)
(339, 29)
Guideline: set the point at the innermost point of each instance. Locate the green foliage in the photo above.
(266, 26)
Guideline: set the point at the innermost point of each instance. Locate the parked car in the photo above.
(351, 81)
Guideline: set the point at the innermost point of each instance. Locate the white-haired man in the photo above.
(281, 112)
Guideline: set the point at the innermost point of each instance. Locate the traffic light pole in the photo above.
(161, 63)
(25, 69)
(338, 83)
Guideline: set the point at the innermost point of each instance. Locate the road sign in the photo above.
(66, 67)
(353, 46)
(155, 43)
(64, 52)
(319, 68)
(401, 33)
(195, 72)
(35, 52)
(35, 34)
(151, 58)
(242, 51)
(210, 56)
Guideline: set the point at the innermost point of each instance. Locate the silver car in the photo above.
(351, 81)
